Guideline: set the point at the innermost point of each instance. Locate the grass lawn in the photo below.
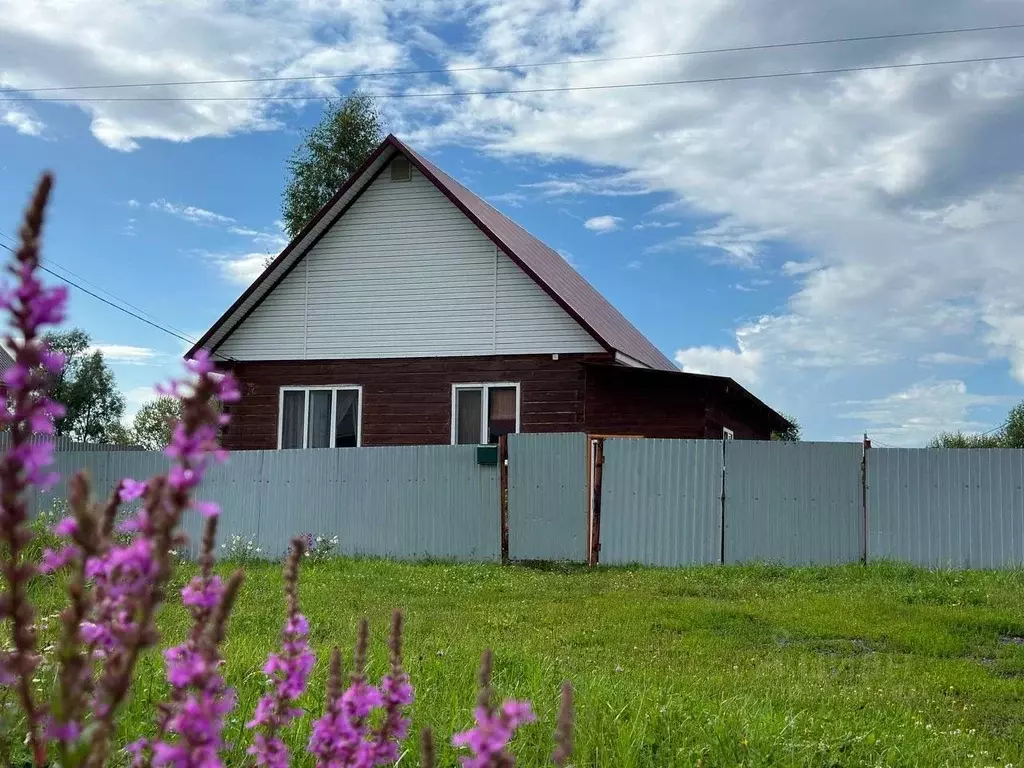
(717, 666)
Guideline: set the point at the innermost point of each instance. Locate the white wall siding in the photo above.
(404, 273)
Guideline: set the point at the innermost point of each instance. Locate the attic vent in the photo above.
(401, 169)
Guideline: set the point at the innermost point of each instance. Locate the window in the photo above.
(401, 169)
(727, 434)
(481, 413)
(320, 417)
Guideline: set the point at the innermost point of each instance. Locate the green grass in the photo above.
(717, 666)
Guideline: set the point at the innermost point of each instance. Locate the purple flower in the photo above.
(66, 527)
(493, 731)
(16, 377)
(131, 490)
(203, 593)
(53, 561)
(287, 670)
(206, 508)
(52, 361)
(58, 731)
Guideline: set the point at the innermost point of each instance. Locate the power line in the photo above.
(506, 67)
(99, 288)
(110, 303)
(559, 89)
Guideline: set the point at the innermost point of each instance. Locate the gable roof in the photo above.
(544, 265)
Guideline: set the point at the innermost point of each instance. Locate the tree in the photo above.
(960, 439)
(152, 426)
(1013, 428)
(331, 152)
(791, 434)
(87, 389)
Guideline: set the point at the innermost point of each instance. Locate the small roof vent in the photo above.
(401, 168)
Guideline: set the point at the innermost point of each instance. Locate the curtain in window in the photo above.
(320, 418)
(346, 432)
(468, 404)
(293, 416)
(501, 412)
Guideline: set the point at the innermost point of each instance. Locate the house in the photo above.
(410, 311)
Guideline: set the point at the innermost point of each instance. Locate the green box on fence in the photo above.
(487, 455)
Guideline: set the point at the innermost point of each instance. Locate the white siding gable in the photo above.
(403, 273)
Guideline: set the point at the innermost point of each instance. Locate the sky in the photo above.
(846, 245)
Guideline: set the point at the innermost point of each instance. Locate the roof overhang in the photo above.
(725, 385)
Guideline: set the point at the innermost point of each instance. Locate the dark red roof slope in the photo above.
(549, 270)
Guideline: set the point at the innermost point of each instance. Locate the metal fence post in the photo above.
(721, 553)
(503, 494)
(864, 501)
(596, 478)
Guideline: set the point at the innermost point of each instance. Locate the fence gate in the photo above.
(548, 497)
(661, 502)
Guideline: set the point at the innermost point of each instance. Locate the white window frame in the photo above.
(728, 434)
(485, 405)
(334, 389)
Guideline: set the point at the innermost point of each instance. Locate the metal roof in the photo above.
(547, 268)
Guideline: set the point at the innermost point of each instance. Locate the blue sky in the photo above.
(847, 246)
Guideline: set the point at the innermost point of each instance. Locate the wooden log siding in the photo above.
(408, 401)
(624, 401)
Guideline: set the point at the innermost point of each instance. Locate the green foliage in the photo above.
(757, 666)
(87, 389)
(347, 132)
(1009, 435)
(153, 424)
(1013, 427)
(960, 439)
(791, 434)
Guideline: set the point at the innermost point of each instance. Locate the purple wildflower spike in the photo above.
(30, 307)
(287, 670)
(488, 740)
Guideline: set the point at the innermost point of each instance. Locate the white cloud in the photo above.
(48, 43)
(948, 358)
(125, 354)
(635, 264)
(603, 224)
(795, 268)
(511, 199)
(657, 225)
(133, 203)
(190, 213)
(241, 269)
(272, 240)
(743, 365)
(913, 416)
(134, 399)
(615, 185)
(19, 119)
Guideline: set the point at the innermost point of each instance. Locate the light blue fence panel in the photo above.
(405, 502)
(954, 508)
(661, 502)
(548, 503)
(793, 503)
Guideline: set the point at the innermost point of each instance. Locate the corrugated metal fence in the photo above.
(547, 497)
(657, 502)
(946, 507)
(800, 503)
(412, 503)
(661, 502)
